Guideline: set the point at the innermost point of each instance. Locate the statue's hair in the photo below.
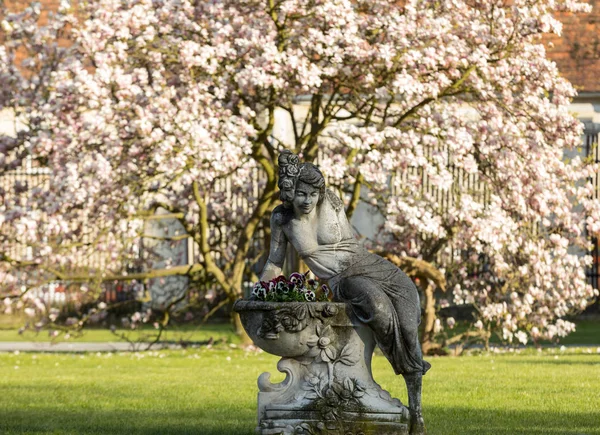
(291, 172)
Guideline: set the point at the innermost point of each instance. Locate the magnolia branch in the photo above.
(202, 240)
(355, 195)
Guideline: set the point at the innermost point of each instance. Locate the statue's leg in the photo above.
(409, 323)
(395, 325)
(371, 306)
(414, 382)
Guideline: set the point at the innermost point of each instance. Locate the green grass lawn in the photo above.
(196, 334)
(587, 333)
(213, 391)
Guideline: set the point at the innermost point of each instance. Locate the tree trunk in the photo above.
(239, 329)
(427, 343)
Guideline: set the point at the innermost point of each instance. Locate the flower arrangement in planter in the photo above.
(296, 288)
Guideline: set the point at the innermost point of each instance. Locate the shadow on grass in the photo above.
(590, 360)
(56, 421)
(47, 419)
(453, 420)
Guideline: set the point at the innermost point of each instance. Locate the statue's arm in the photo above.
(276, 258)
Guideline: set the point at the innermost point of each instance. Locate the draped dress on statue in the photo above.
(381, 296)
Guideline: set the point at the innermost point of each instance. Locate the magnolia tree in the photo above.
(135, 106)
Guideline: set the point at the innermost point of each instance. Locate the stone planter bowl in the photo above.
(284, 328)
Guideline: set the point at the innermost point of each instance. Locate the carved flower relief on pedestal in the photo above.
(322, 347)
(290, 319)
(343, 394)
(318, 385)
(293, 318)
(331, 398)
(314, 383)
(328, 311)
(270, 327)
(324, 387)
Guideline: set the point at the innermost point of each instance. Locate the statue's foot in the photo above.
(417, 425)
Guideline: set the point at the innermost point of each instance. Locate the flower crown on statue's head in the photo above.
(291, 171)
(289, 168)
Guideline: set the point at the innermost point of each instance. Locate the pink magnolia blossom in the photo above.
(450, 114)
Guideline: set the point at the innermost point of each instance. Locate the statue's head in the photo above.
(298, 179)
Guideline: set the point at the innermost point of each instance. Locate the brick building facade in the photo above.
(577, 51)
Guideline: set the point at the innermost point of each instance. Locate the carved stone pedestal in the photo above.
(329, 387)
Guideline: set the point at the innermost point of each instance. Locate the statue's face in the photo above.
(305, 198)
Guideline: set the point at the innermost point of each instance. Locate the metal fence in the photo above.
(16, 184)
(592, 151)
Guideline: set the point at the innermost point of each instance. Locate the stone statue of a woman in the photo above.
(313, 220)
